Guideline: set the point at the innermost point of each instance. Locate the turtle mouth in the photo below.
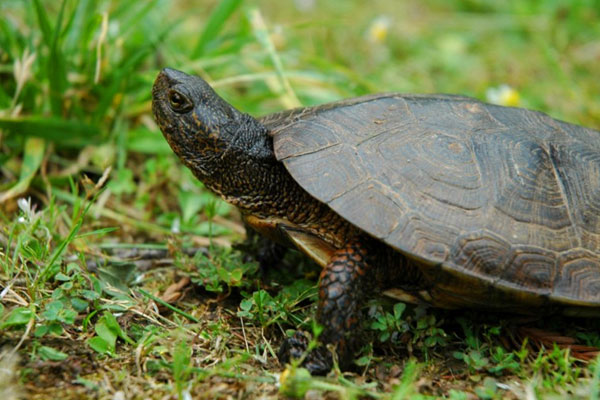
(181, 130)
(172, 126)
(161, 84)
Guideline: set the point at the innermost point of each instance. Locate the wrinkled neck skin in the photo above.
(241, 167)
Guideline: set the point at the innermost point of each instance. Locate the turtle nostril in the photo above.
(168, 72)
(173, 75)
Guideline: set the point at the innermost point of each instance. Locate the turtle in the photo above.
(441, 199)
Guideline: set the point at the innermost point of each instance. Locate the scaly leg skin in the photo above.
(342, 289)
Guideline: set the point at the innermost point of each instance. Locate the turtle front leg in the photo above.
(342, 288)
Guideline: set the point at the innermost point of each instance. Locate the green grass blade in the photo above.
(167, 305)
(32, 159)
(78, 223)
(77, 22)
(43, 22)
(124, 72)
(64, 132)
(108, 213)
(97, 232)
(137, 18)
(287, 95)
(86, 24)
(8, 36)
(595, 381)
(118, 83)
(217, 19)
(58, 25)
(406, 388)
(56, 66)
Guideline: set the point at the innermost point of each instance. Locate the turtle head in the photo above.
(201, 127)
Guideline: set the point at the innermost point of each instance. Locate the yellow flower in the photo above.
(503, 95)
(378, 30)
(294, 382)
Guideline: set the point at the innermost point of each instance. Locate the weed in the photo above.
(222, 269)
(281, 309)
(391, 325)
(420, 330)
(484, 354)
(557, 367)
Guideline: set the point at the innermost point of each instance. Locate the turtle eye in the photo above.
(179, 102)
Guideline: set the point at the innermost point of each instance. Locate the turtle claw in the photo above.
(318, 361)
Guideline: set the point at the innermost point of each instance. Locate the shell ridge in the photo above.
(554, 163)
(313, 151)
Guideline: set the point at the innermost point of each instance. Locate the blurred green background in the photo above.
(78, 73)
(75, 76)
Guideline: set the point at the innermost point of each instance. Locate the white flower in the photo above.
(503, 95)
(304, 5)
(29, 213)
(176, 225)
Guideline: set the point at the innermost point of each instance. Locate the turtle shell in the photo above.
(504, 196)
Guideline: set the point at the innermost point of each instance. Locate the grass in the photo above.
(120, 273)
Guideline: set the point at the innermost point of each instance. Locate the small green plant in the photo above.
(483, 354)
(406, 388)
(457, 395)
(222, 269)
(70, 299)
(424, 329)
(48, 353)
(427, 333)
(475, 360)
(107, 330)
(390, 325)
(283, 308)
(556, 367)
(503, 360)
(17, 317)
(263, 308)
(488, 389)
(182, 356)
(589, 338)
